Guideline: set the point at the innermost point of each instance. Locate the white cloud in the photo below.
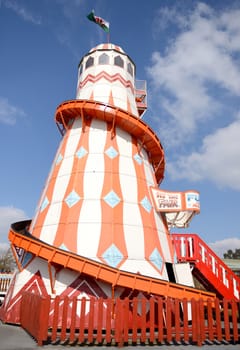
(199, 67)
(221, 247)
(9, 113)
(9, 215)
(21, 11)
(217, 160)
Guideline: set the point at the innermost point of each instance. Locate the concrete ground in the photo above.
(13, 337)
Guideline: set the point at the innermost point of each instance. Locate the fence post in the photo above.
(43, 320)
(64, 318)
(125, 319)
(152, 319)
(160, 319)
(109, 306)
(100, 320)
(201, 335)
(134, 319)
(226, 320)
(185, 303)
(218, 320)
(169, 319)
(73, 320)
(92, 302)
(143, 320)
(234, 320)
(118, 323)
(82, 320)
(210, 320)
(195, 320)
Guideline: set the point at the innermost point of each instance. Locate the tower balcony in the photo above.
(141, 96)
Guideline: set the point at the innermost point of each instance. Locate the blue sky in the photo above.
(189, 53)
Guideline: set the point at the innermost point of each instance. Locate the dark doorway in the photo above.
(171, 275)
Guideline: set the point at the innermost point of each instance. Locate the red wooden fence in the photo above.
(156, 320)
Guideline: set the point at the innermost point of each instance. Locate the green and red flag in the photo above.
(98, 20)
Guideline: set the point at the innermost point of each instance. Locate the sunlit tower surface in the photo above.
(98, 205)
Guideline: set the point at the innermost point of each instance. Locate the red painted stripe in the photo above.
(110, 78)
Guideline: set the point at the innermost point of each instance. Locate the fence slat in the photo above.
(152, 319)
(160, 319)
(177, 320)
(202, 328)
(226, 320)
(109, 310)
(82, 321)
(125, 319)
(55, 318)
(64, 318)
(143, 321)
(194, 321)
(134, 317)
(118, 322)
(234, 320)
(100, 320)
(217, 310)
(91, 320)
(169, 319)
(73, 320)
(44, 319)
(186, 311)
(210, 326)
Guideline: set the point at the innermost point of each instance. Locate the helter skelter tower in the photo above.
(99, 229)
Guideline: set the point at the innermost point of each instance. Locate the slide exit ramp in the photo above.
(20, 238)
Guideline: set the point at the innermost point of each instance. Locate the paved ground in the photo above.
(15, 338)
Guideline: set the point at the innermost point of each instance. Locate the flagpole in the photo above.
(108, 37)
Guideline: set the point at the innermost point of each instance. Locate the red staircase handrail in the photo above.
(191, 248)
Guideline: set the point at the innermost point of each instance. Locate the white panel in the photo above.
(183, 274)
(54, 210)
(89, 227)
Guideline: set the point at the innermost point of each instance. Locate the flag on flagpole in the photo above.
(98, 20)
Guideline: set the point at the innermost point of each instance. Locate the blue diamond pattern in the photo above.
(156, 259)
(44, 204)
(138, 158)
(72, 199)
(59, 158)
(146, 204)
(112, 199)
(111, 152)
(81, 152)
(113, 256)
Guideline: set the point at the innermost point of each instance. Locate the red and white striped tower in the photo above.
(97, 199)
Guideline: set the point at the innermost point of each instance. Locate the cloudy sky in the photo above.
(189, 53)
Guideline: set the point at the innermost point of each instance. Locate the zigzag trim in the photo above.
(111, 78)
